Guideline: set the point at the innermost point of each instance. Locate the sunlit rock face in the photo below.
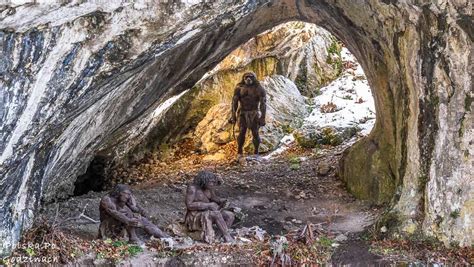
(290, 53)
(78, 77)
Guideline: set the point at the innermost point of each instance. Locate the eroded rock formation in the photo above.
(75, 76)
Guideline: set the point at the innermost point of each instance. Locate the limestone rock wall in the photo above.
(75, 75)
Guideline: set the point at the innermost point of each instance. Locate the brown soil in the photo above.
(280, 195)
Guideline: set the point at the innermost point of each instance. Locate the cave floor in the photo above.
(279, 195)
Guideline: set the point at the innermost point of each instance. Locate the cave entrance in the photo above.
(401, 47)
(318, 99)
(95, 177)
(319, 103)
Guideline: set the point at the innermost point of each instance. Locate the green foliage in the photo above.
(118, 243)
(287, 129)
(30, 252)
(325, 241)
(294, 167)
(114, 250)
(455, 214)
(134, 250)
(328, 137)
(304, 141)
(334, 48)
(295, 160)
(334, 56)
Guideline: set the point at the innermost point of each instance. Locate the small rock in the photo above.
(323, 169)
(177, 229)
(222, 137)
(215, 157)
(340, 238)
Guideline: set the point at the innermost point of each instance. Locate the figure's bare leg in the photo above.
(228, 217)
(152, 229)
(255, 137)
(216, 217)
(208, 234)
(132, 235)
(241, 138)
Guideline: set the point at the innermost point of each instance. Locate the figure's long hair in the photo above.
(204, 177)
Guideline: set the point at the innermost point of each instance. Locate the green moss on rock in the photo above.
(366, 171)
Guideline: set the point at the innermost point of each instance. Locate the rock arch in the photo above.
(77, 85)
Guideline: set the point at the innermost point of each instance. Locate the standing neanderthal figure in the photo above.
(120, 212)
(204, 208)
(252, 98)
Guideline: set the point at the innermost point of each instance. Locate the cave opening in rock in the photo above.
(95, 177)
(318, 98)
(96, 82)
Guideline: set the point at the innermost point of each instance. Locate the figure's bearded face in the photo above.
(124, 196)
(210, 185)
(249, 79)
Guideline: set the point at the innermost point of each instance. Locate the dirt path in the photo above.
(278, 195)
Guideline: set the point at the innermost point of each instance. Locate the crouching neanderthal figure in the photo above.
(204, 208)
(120, 212)
(252, 98)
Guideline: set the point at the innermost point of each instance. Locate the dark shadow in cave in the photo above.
(94, 178)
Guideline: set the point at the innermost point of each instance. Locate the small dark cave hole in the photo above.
(94, 178)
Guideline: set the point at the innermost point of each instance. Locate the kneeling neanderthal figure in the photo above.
(120, 212)
(252, 98)
(204, 208)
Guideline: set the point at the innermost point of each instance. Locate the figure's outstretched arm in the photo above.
(196, 205)
(110, 208)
